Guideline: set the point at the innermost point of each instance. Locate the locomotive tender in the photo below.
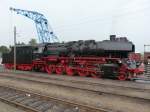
(106, 58)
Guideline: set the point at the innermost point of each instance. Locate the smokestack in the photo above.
(112, 37)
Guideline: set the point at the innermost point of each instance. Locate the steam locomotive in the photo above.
(107, 58)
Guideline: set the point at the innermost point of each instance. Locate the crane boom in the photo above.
(45, 33)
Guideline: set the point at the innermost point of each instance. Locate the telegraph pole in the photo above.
(14, 48)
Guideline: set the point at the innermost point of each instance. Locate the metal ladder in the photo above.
(147, 70)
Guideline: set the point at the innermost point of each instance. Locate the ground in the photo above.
(7, 108)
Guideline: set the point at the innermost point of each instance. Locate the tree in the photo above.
(33, 42)
(4, 49)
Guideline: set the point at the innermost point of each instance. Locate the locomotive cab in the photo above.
(38, 51)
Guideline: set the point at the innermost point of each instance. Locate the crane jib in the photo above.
(45, 33)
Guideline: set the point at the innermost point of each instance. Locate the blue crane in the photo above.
(45, 33)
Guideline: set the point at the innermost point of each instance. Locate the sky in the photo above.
(79, 20)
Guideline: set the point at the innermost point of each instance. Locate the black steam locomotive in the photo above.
(83, 57)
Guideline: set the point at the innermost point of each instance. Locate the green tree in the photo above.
(4, 49)
(33, 42)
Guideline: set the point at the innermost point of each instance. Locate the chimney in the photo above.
(112, 37)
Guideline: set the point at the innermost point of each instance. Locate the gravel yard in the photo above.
(121, 104)
(7, 108)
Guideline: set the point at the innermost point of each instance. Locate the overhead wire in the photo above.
(103, 19)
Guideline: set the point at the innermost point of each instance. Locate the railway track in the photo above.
(126, 96)
(91, 81)
(128, 84)
(125, 91)
(35, 102)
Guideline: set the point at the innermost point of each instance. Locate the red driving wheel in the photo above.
(59, 69)
(69, 71)
(50, 69)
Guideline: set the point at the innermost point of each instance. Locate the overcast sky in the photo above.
(79, 19)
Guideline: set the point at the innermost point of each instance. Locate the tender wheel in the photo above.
(9, 66)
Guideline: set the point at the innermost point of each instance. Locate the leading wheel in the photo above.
(122, 76)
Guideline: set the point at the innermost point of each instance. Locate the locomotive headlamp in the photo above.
(119, 61)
